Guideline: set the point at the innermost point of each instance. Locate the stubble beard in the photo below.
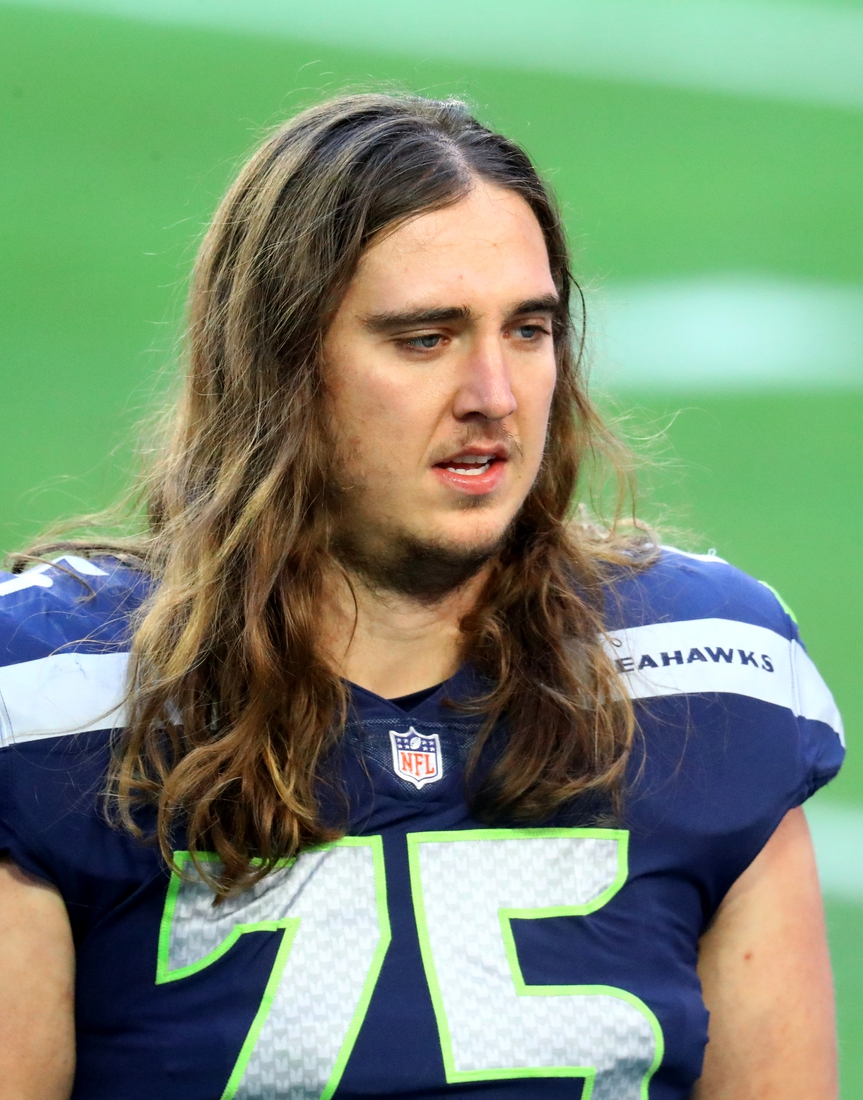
(390, 559)
(424, 570)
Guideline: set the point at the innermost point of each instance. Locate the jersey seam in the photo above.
(7, 734)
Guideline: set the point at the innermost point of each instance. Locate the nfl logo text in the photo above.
(417, 756)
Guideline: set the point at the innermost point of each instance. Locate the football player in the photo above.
(365, 769)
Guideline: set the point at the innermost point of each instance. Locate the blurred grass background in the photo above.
(117, 139)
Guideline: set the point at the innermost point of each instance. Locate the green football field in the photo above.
(117, 138)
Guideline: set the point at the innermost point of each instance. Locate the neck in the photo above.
(388, 643)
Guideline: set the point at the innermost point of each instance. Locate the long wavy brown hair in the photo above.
(233, 711)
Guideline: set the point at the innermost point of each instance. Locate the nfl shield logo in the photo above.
(417, 756)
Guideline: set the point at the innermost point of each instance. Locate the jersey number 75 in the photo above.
(330, 907)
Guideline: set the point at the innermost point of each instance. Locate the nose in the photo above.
(484, 389)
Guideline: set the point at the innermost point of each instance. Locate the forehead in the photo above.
(486, 248)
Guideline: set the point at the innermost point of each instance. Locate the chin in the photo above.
(422, 565)
(471, 533)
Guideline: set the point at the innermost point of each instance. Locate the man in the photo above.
(420, 787)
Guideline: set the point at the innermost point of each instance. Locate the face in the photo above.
(440, 371)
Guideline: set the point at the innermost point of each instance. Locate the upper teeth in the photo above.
(469, 464)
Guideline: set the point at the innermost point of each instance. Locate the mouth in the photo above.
(469, 465)
(475, 470)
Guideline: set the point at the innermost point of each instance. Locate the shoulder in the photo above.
(736, 725)
(64, 640)
(680, 586)
(692, 624)
(70, 601)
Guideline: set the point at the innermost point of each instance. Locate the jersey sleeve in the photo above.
(63, 659)
(736, 725)
(18, 829)
(822, 737)
(694, 628)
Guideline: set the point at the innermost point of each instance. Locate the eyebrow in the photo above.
(410, 318)
(547, 303)
(415, 318)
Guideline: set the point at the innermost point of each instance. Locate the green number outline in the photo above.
(506, 916)
(785, 607)
(288, 927)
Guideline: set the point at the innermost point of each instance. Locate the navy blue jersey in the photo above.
(425, 954)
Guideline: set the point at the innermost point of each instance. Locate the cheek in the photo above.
(535, 403)
(378, 423)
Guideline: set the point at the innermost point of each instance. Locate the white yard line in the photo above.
(796, 51)
(728, 333)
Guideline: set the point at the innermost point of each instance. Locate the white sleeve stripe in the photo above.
(63, 694)
(814, 699)
(70, 693)
(694, 656)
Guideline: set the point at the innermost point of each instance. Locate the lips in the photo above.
(474, 469)
(473, 455)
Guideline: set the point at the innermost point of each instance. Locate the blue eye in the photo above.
(428, 342)
(527, 332)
